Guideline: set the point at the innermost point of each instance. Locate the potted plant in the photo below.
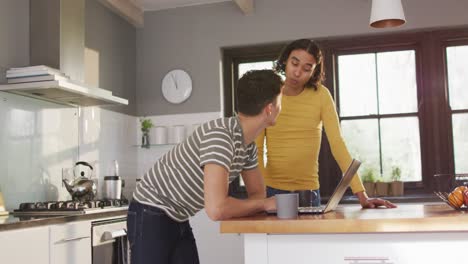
(368, 180)
(146, 125)
(381, 187)
(397, 186)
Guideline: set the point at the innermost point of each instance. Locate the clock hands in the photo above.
(173, 79)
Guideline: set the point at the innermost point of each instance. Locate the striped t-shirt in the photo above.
(175, 183)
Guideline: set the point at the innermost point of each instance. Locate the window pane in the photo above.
(362, 140)
(357, 82)
(401, 147)
(460, 142)
(261, 65)
(245, 67)
(396, 73)
(457, 70)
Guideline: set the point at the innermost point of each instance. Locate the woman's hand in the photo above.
(367, 202)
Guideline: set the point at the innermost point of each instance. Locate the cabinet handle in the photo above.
(109, 235)
(71, 239)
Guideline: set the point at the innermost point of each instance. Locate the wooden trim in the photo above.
(127, 9)
(246, 6)
(232, 57)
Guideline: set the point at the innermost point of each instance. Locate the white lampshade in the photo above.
(386, 13)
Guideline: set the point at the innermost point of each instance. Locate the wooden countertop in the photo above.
(436, 217)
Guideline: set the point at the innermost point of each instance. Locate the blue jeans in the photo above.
(315, 199)
(156, 238)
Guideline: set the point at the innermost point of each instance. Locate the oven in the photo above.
(109, 241)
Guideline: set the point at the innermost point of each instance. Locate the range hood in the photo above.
(64, 92)
(57, 40)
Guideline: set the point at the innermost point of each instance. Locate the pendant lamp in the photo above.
(386, 13)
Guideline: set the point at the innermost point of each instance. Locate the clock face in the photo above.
(176, 86)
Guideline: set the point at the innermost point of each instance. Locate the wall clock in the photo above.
(176, 86)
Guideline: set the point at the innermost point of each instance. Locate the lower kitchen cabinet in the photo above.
(351, 248)
(65, 243)
(70, 243)
(24, 246)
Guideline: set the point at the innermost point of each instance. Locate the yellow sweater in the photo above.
(293, 144)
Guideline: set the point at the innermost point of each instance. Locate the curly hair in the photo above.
(313, 49)
(256, 89)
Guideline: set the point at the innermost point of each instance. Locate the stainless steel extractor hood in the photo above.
(57, 40)
(64, 92)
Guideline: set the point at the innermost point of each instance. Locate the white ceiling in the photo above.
(151, 5)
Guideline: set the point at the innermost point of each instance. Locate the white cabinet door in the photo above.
(24, 246)
(70, 243)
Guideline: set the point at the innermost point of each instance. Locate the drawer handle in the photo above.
(71, 239)
(109, 235)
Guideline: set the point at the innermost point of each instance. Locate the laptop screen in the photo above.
(342, 186)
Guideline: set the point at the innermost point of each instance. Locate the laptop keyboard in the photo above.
(311, 209)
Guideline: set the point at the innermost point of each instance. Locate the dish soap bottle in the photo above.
(2, 205)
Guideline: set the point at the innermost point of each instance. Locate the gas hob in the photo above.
(58, 208)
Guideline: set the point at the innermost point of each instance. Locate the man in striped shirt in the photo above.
(195, 174)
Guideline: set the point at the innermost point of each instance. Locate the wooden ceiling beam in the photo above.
(128, 9)
(247, 6)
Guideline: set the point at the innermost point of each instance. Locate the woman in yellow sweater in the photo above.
(293, 145)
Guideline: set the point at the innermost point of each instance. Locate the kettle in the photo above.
(82, 188)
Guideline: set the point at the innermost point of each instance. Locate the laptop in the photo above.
(337, 193)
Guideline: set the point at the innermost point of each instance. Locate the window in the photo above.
(457, 76)
(248, 66)
(402, 99)
(378, 109)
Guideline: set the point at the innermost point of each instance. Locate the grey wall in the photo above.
(191, 38)
(14, 35)
(114, 40)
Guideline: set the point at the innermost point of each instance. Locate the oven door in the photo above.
(110, 245)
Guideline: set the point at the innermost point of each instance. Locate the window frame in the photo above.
(374, 45)
(445, 39)
(434, 112)
(232, 57)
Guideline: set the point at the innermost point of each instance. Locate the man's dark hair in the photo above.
(313, 49)
(256, 89)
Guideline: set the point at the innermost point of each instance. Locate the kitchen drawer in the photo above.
(70, 243)
(397, 248)
(70, 232)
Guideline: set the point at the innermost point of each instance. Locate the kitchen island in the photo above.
(411, 233)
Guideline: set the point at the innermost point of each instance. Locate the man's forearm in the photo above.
(232, 207)
(257, 195)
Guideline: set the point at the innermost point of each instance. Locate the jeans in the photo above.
(315, 199)
(156, 238)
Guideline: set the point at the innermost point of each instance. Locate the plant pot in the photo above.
(381, 188)
(145, 140)
(370, 188)
(397, 188)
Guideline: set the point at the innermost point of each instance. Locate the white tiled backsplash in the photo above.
(147, 157)
(38, 139)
